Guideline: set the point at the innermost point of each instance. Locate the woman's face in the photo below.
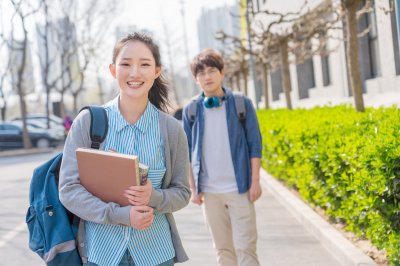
(135, 70)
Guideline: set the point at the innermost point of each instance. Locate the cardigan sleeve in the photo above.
(72, 194)
(175, 192)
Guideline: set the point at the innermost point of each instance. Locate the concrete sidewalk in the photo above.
(290, 233)
(21, 152)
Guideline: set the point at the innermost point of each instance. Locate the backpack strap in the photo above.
(98, 125)
(192, 111)
(240, 106)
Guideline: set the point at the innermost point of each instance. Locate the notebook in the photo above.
(107, 174)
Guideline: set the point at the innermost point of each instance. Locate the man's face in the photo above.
(210, 80)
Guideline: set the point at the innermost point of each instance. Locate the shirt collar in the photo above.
(142, 124)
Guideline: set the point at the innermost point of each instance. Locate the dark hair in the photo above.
(158, 94)
(208, 57)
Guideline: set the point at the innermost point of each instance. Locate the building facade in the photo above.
(214, 20)
(323, 78)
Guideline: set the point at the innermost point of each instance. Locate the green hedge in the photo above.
(346, 162)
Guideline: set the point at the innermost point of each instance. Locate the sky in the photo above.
(155, 16)
(151, 15)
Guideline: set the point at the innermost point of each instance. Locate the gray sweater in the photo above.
(173, 196)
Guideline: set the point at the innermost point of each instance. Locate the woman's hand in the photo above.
(139, 195)
(141, 217)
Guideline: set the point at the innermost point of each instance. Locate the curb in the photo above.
(20, 152)
(343, 249)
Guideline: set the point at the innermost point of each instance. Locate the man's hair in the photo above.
(207, 58)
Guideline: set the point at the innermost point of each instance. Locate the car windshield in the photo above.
(19, 124)
(42, 117)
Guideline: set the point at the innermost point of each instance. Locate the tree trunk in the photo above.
(287, 87)
(237, 78)
(3, 96)
(101, 89)
(25, 135)
(244, 74)
(46, 66)
(352, 56)
(264, 74)
(3, 112)
(230, 82)
(62, 105)
(75, 96)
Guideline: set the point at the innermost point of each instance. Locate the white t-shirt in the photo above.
(217, 174)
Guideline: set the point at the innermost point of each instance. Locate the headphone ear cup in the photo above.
(215, 101)
(208, 102)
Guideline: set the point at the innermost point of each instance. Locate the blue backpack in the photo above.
(53, 230)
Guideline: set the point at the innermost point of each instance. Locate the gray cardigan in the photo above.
(173, 196)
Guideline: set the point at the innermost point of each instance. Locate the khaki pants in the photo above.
(231, 220)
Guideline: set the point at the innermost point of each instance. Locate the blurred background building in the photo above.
(324, 78)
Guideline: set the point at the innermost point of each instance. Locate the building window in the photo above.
(305, 69)
(276, 84)
(373, 45)
(305, 77)
(368, 46)
(394, 17)
(257, 6)
(326, 77)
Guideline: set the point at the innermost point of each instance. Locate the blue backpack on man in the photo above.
(53, 230)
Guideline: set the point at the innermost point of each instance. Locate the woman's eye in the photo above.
(124, 64)
(146, 65)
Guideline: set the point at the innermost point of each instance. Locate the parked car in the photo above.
(55, 121)
(57, 130)
(11, 136)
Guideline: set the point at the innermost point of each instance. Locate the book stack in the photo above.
(108, 174)
(144, 173)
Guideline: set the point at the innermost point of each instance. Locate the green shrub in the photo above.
(346, 162)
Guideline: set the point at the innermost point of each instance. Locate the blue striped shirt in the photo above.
(107, 243)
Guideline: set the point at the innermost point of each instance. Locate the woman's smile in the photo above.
(135, 84)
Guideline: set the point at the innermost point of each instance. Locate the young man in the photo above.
(225, 155)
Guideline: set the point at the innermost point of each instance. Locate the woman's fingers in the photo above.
(141, 217)
(139, 195)
(135, 200)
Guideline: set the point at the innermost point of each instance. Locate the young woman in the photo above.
(143, 233)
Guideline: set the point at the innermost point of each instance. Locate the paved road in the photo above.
(15, 173)
(282, 239)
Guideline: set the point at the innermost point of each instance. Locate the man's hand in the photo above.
(141, 217)
(197, 198)
(255, 191)
(139, 195)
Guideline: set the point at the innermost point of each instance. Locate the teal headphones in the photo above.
(214, 101)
